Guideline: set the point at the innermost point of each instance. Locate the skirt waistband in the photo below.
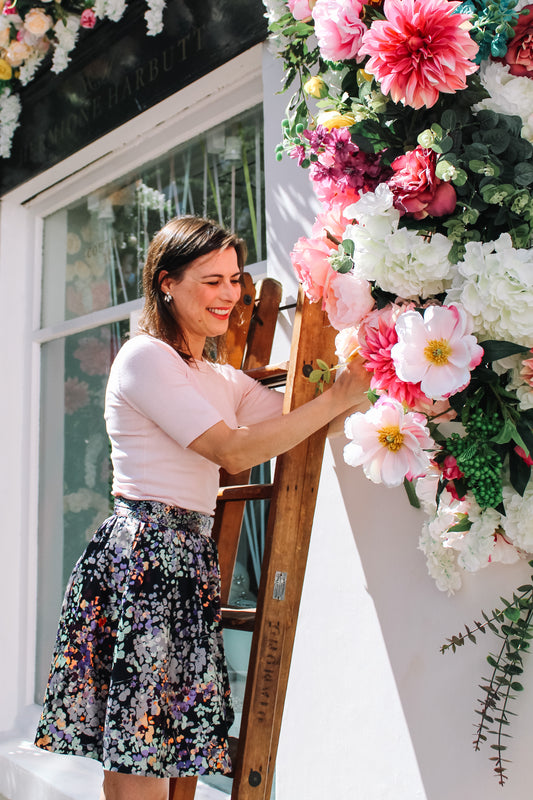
(164, 515)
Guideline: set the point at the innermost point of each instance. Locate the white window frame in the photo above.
(227, 91)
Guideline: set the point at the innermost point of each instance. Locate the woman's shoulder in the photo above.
(143, 350)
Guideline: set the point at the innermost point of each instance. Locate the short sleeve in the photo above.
(153, 378)
(257, 403)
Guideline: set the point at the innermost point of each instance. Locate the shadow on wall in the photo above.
(438, 692)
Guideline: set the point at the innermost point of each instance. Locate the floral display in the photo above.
(414, 119)
(41, 33)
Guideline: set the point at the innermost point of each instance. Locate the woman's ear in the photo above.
(164, 281)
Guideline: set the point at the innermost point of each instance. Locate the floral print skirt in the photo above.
(138, 678)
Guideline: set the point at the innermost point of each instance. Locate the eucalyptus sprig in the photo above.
(513, 625)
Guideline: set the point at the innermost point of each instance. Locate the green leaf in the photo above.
(315, 376)
(493, 350)
(411, 493)
(523, 173)
(448, 120)
(512, 613)
(517, 687)
(462, 526)
(322, 364)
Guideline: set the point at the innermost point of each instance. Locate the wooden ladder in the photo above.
(292, 495)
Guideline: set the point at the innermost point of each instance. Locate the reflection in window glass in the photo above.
(96, 248)
(75, 486)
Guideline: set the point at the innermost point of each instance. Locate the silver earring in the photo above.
(168, 297)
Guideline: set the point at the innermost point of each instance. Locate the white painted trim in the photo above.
(204, 103)
(103, 316)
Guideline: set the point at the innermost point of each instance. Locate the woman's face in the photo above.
(203, 298)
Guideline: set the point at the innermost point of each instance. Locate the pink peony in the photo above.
(88, 18)
(301, 9)
(338, 28)
(347, 300)
(347, 345)
(310, 261)
(389, 443)
(417, 190)
(419, 50)
(331, 220)
(437, 349)
(519, 54)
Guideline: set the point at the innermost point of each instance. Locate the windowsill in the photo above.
(26, 771)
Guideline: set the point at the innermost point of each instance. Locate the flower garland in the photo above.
(32, 31)
(414, 119)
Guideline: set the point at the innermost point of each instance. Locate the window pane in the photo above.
(94, 250)
(75, 474)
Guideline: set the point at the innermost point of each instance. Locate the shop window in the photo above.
(93, 253)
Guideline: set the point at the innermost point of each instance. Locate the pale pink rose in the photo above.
(301, 9)
(437, 349)
(331, 220)
(389, 443)
(347, 345)
(417, 190)
(37, 22)
(422, 48)
(88, 18)
(310, 261)
(339, 28)
(17, 53)
(76, 395)
(347, 300)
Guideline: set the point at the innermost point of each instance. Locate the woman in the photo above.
(138, 679)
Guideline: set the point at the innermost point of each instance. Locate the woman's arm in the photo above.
(238, 449)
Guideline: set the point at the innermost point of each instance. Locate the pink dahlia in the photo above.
(437, 349)
(389, 443)
(377, 336)
(339, 28)
(419, 50)
(417, 190)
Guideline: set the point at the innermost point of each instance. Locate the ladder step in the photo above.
(271, 375)
(246, 491)
(238, 619)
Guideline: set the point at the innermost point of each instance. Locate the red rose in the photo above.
(417, 190)
(88, 18)
(519, 55)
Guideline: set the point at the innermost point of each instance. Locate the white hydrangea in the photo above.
(9, 115)
(494, 282)
(66, 33)
(154, 17)
(441, 562)
(509, 94)
(518, 520)
(475, 546)
(398, 259)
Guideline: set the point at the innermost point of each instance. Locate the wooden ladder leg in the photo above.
(283, 570)
(182, 788)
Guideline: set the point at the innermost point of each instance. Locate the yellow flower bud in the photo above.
(5, 70)
(334, 119)
(316, 87)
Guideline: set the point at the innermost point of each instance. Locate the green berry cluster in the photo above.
(477, 458)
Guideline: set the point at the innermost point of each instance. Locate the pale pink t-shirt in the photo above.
(156, 405)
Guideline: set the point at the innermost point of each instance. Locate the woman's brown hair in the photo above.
(171, 251)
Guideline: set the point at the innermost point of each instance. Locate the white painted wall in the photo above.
(374, 711)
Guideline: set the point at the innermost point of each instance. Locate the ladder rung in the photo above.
(271, 375)
(246, 491)
(240, 619)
